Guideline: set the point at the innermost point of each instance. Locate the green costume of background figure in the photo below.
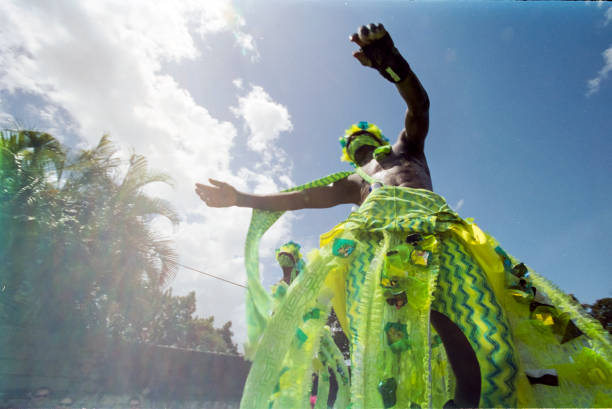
(401, 254)
(313, 346)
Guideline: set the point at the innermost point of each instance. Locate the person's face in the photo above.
(364, 154)
(287, 274)
(286, 260)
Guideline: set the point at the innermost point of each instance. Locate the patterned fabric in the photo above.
(381, 226)
(402, 253)
(465, 296)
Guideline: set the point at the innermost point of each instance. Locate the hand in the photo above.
(220, 194)
(378, 51)
(365, 36)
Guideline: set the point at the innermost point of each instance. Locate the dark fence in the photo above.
(42, 369)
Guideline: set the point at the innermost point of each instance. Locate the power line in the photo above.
(210, 275)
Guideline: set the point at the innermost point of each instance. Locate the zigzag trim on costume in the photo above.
(466, 291)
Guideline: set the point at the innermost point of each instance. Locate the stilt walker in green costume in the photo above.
(437, 313)
(327, 359)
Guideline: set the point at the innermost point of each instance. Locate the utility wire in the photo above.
(210, 275)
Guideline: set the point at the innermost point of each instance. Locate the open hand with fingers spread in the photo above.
(220, 194)
(378, 51)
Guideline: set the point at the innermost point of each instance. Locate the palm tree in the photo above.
(128, 261)
(27, 200)
(77, 241)
(27, 159)
(77, 250)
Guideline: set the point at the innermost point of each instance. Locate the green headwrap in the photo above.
(358, 135)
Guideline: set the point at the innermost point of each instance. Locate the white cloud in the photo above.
(264, 118)
(594, 84)
(608, 16)
(238, 83)
(220, 16)
(247, 44)
(100, 63)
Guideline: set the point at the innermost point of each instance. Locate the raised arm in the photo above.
(378, 51)
(221, 194)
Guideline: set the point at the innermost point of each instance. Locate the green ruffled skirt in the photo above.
(403, 253)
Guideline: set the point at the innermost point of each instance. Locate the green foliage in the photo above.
(601, 310)
(173, 324)
(77, 251)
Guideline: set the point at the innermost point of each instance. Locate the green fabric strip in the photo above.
(258, 300)
(367, 177)
(277, 341)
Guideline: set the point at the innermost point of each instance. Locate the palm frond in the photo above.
(143, 205)
(138, 175)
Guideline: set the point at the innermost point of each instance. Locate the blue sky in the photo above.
(257, 93)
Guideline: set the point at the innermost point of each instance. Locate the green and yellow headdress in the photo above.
(288, 255)
(358, 135)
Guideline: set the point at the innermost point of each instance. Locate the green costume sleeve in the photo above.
(258, 302)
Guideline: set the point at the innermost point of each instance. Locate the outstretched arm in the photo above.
(378, 51)
(221, 194)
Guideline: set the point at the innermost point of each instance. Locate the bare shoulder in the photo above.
(349, 189)
(409, 144)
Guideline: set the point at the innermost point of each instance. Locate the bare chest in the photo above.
(395, 170)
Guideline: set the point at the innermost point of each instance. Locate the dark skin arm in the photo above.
(221, 194)
(410, 88)
(417, 114)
